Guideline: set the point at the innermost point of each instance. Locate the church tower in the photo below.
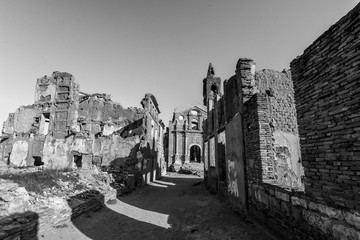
(211, 86)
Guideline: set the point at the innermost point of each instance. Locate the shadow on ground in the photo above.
(147, 213)
(175, 207)
(19, 226)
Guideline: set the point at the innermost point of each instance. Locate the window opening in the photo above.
(45, 123)
(194, 124)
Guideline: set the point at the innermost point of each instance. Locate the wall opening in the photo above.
(194, 124)
(214, 88)
(195, 154)
(45, 123)
(78, 160)
(38, 161)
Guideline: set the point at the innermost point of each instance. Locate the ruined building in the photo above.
(285, 146)
(185, 135)
(68, 128)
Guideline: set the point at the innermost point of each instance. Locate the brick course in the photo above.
(325, 79)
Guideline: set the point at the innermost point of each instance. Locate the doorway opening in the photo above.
(78, 160)
(195, 153)
(37, 161)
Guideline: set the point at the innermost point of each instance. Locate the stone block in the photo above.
(285, 209)
(283, 196)
(328, 211)
(318, 221)
(340, 231)
(299, 202)
(353, 218)
(274, 203)
(261, 196)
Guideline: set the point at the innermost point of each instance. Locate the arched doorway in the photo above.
(195, 153)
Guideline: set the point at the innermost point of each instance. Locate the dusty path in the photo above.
(175, 207)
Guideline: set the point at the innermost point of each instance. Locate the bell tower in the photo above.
(211, 86)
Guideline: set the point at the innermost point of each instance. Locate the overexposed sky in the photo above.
(127, 48)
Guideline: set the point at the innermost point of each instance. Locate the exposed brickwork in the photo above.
(326, 80)
(279, 87)
(252, 140)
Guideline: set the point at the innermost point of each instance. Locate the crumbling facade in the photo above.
(255, 129)
(251, 99)
(185, 135)
(67, 128)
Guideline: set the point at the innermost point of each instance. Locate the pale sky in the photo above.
(127, 48)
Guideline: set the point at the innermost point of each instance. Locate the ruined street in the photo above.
(174, 207)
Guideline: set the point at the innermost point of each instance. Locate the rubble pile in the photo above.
(126, 174)
(65, 196)
(193, 168)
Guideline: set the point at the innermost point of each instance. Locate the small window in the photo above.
(193, 113)
(194, 124)
(214, 88)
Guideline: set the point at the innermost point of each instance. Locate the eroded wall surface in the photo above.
(66, 128)
(236, 163)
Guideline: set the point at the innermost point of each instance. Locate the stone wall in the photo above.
(312, 193)
(185, 131)
(297, 217)
(19, 226)
(66, 128)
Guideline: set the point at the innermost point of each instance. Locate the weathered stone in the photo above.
(328, 211)
(7, 185)
(342, 232)
(299, 202)
(261, 196)
(353, 218)
(7, 197)
(318, 221)
(283, 196)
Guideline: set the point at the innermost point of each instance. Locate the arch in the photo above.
(195, 153)
(214, 88)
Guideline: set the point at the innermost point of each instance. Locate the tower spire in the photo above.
(211, 71)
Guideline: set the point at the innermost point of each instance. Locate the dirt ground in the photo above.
(175, 207)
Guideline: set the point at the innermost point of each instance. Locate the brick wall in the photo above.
(327, 102)
(252, 140)
(326, 80)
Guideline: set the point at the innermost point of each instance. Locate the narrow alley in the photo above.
(174, 207)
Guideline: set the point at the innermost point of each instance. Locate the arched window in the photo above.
(194, 124)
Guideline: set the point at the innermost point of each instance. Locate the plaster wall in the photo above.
(235, 163)
(19, 153)
(56, 152)
(24, 117)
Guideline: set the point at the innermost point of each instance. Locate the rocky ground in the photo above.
(55, 196)
(177, 206)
